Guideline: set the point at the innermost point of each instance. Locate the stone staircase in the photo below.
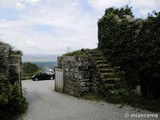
(106, 77)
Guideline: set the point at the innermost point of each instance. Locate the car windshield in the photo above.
(47, 71)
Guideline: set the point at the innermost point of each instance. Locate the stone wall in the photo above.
(10, 64)
(77, 74)
(89, 72)
(4, 58)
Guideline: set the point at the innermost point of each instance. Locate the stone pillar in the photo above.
(4, 57)
(15, 67)
(77, 76)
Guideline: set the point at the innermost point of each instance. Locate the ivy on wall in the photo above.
(132, 44)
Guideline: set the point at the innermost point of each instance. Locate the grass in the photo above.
(132, 100)
(93, 97)
(136, 101)
(75, 53)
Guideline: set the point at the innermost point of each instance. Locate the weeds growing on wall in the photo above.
(75, 53)
(132, 44)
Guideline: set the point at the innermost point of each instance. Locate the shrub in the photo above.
(75, 53)
(29, 69)
(13, 74)
(11, 100)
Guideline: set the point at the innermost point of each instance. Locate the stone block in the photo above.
(89, 83)
(83, 80)
(83, 89)
(4, 55)
(77, 76)
(71, 91)
(82, 84)
(78, 64)
(15, 59)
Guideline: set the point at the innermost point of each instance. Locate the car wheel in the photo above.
(36, 79)
(51, 78)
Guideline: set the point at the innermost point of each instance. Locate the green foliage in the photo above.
(15, 52)
(122, 97)
(29, 67)
(29, 70)
(75, 53)
(3, 62)
(5, 89)
(3, 43)
(120, 12)
(134, 100)
(11, 101)
(13, 74)
(17, 103)
(93, 97)
(132, 44)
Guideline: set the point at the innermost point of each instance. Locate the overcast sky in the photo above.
(52, 26)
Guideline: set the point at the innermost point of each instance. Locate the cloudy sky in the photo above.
(53, 26)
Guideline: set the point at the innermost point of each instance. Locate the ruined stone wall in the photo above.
(77, 74)
(87, 73)
(4, 57)
(10, 64)
(15, 68)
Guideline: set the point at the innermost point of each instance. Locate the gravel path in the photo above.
(46, 104)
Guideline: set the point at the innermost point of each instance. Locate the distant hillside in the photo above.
(50, 65)
(39, 58)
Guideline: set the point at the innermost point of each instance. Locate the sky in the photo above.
(56, 26)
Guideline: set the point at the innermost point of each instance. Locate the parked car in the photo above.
(44, 76)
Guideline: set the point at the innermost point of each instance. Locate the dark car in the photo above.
(44, 76)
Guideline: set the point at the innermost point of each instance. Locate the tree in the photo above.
(29, 68)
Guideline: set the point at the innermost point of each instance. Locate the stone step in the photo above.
(108, 81)
(107, 75)
(94, 49)
(94, 52)
(96, 55)
(104, 70)
(102, 66)
(100, 62)
(109, 86)
(111, 79)
(98, 58)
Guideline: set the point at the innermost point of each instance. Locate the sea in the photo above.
(50, 65)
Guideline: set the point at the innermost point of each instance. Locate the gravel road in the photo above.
(47, 104)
